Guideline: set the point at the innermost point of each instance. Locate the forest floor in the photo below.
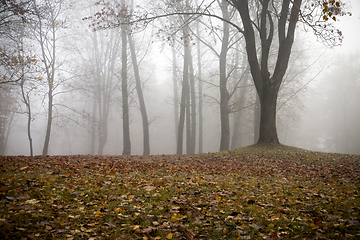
(254, 192)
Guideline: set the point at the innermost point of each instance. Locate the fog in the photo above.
(317, 108)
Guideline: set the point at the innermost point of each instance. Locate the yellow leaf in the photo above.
(135, 227)
(169, 236)
(48, 228)
(313, 226)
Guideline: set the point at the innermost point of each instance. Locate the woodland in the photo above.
(172, 120)
(106, 77)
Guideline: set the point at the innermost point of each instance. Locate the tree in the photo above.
(287, 14)
(184, 92)
(26, 93)
(124, 88)
(200, 86)
(144, 117)
(175, 86)
(224, 93)
(49, 21)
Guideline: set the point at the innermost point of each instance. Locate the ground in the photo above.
(256, 192)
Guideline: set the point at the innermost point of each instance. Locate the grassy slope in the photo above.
(257, 192)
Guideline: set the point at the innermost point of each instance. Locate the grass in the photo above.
(256, 192)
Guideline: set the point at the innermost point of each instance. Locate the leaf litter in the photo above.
(257, 192)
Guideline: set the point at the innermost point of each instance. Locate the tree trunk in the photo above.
(175, 87)
(200, 89)
(26, 100)
(268, 133)
(48, 51)
(188, 121)
(50, 74)
(257, 113)
(28, 106)
(240, 96)
(124, 91)
(193, 105)
(145, 122)
(49, 122)
(224, 94)
(104, 123)
(93, 127)
(235, 138)
(184, 96)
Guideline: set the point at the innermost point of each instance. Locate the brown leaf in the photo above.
(189, 234)
(148, 230)
(272, 236)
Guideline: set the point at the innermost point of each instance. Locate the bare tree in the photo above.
(49, 22)
(144, 117)
(184, 92)
(283, 15)
(124, 88)
(200, 86)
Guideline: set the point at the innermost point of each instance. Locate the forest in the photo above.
(107, 77)
(179, 119)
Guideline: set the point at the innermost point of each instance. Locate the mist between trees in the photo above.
(164, 77)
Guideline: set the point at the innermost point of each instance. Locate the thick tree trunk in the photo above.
(145, 122)
(268, 133)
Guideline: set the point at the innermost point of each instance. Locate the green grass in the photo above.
(257, 192)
